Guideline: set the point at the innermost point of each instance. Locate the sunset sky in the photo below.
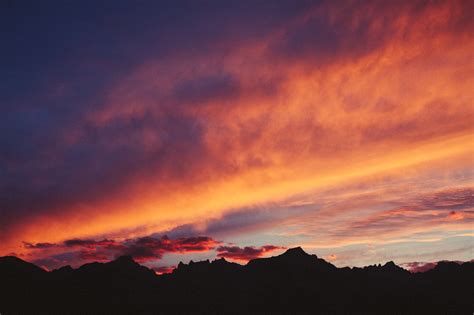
(179, 130)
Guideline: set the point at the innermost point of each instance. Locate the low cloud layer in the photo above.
(416, 266)
(245, 253)
(143, 250)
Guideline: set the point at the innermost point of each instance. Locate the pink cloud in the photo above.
(245, 253)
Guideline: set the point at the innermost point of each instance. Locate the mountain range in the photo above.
(293, 282)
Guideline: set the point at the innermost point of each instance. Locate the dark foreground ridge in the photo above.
(289, 283)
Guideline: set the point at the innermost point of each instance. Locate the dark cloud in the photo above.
(149, 248)
(141, 249)
(81, 243)
(38, 245)
(245, 253)
(89, 243)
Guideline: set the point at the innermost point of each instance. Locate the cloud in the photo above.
(92, 255)
(248, 105)
(415, 267)
(240, 221)
(90, 243)
(383, 211)
(449, 199)
(142, 249)
(149, 248)
(429, 209)
(331, 257)
(245, 253)
(38, 245)
(164, 269)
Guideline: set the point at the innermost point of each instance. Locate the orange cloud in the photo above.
(164, 269)
(286, 115)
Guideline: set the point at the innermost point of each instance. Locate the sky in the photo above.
(188, 130)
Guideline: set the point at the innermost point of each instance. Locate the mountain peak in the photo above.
(445, 265)
(125, 259)
(295, 252)
(11, 260)
(125, 262)
(390, 264)
(393, 267)
(221, 260)
(14, 265)
(66, 268)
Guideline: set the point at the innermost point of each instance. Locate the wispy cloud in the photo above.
(252, 120)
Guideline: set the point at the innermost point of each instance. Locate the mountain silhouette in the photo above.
(12, 267)
(294, 259)
(292, 282)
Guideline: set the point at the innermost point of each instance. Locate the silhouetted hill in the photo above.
(294, 259)
(291, 282)
(11, 266)
(123, 267)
